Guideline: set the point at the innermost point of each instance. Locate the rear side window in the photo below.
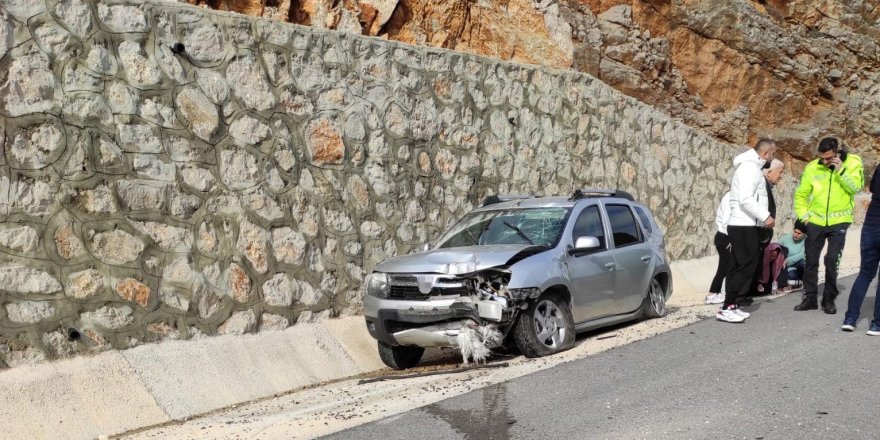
(645, 218)
(589, 224)
(623, 225)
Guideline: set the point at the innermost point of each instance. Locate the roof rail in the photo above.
(596, 192)
(498, 198)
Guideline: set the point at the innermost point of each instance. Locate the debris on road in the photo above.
(432, 373)
(475, 343)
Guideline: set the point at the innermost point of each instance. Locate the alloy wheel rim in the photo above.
(658, 299)
(549, 325)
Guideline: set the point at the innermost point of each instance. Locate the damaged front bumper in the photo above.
(436, 323)
(440, 335)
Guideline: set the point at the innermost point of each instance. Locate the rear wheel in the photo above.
(654, 304)
(400, 357)
(546, 327)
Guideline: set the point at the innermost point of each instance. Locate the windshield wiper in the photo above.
(472, 236)
(518, 232)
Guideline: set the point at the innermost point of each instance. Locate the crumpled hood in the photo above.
(453, 261)
(748, 156)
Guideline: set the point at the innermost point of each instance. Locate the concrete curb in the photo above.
(76, 398)
(188, 378)
(120, 391)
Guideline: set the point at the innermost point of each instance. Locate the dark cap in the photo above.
(800, 226)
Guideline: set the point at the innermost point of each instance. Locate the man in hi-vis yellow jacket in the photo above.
(824, 202)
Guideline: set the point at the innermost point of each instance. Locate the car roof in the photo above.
(546, 202)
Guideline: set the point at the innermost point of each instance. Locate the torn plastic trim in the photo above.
(476, 342)
(465, 334)
(491, 296)
(490, 309)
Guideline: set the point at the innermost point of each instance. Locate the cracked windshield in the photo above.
(538, 226)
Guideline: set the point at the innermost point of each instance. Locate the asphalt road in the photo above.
(780, 375)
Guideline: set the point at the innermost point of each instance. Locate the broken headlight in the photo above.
(377, 285)
(523, 293)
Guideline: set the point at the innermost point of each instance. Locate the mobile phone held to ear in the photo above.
(841, 153)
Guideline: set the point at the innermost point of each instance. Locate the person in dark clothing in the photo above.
(722, 245)
(772, 175)
(870, 250)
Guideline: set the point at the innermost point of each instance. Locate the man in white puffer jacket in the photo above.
(748, 213)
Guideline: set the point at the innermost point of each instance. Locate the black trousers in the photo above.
(764, 237)
(722, 245)
(744, 241)
(784, 276)
(816, 238)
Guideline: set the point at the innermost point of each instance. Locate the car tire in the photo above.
(545, 327)
(654, 304)
(400, 357)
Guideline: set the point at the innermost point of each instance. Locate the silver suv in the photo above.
(528, 270)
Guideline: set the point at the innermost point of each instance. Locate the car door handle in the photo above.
(609, 265)
(646, 258)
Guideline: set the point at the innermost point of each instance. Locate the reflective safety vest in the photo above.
(825, 197)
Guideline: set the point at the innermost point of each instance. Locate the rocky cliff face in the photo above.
(792, 70)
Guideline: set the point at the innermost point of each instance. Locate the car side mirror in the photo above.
(585, 245)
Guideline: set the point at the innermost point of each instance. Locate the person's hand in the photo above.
(770, 222)
(836, 163)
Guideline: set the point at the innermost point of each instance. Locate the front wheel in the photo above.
(546, 327)
(654, 304)
(400, 357)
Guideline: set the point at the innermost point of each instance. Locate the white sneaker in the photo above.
(742, 313)
(729, 316)
(715, 298)
(848, 327)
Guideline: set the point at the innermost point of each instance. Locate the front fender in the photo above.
(541, 271)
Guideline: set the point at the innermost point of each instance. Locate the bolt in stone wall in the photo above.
(253, 179)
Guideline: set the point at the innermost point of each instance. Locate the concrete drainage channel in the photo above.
(274, 385)
(351, 402)
(119, 391)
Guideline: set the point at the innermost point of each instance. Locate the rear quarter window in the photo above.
(645, 218)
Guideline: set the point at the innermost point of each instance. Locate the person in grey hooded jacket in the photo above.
(748, 213)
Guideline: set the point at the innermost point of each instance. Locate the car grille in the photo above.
(406, 287)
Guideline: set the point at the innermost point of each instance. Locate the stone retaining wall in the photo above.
(171, 172)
